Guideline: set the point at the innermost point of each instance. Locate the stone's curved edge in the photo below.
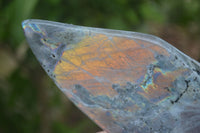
(134, 35)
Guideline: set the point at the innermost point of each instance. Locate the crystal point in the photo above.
(126, 82)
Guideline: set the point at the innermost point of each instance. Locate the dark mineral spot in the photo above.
(197, 71)
(166, 88)
(53, 55)
(181, 94)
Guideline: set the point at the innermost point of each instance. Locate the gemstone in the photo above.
(126, 82)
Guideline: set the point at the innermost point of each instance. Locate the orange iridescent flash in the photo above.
(118, 59)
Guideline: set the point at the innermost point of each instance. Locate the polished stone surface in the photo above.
(126, 82)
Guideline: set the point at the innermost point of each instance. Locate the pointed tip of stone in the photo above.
(28, 22)
(25, 23)
(49, 39)
(46, 48)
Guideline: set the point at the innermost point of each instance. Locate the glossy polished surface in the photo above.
(126, 82)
